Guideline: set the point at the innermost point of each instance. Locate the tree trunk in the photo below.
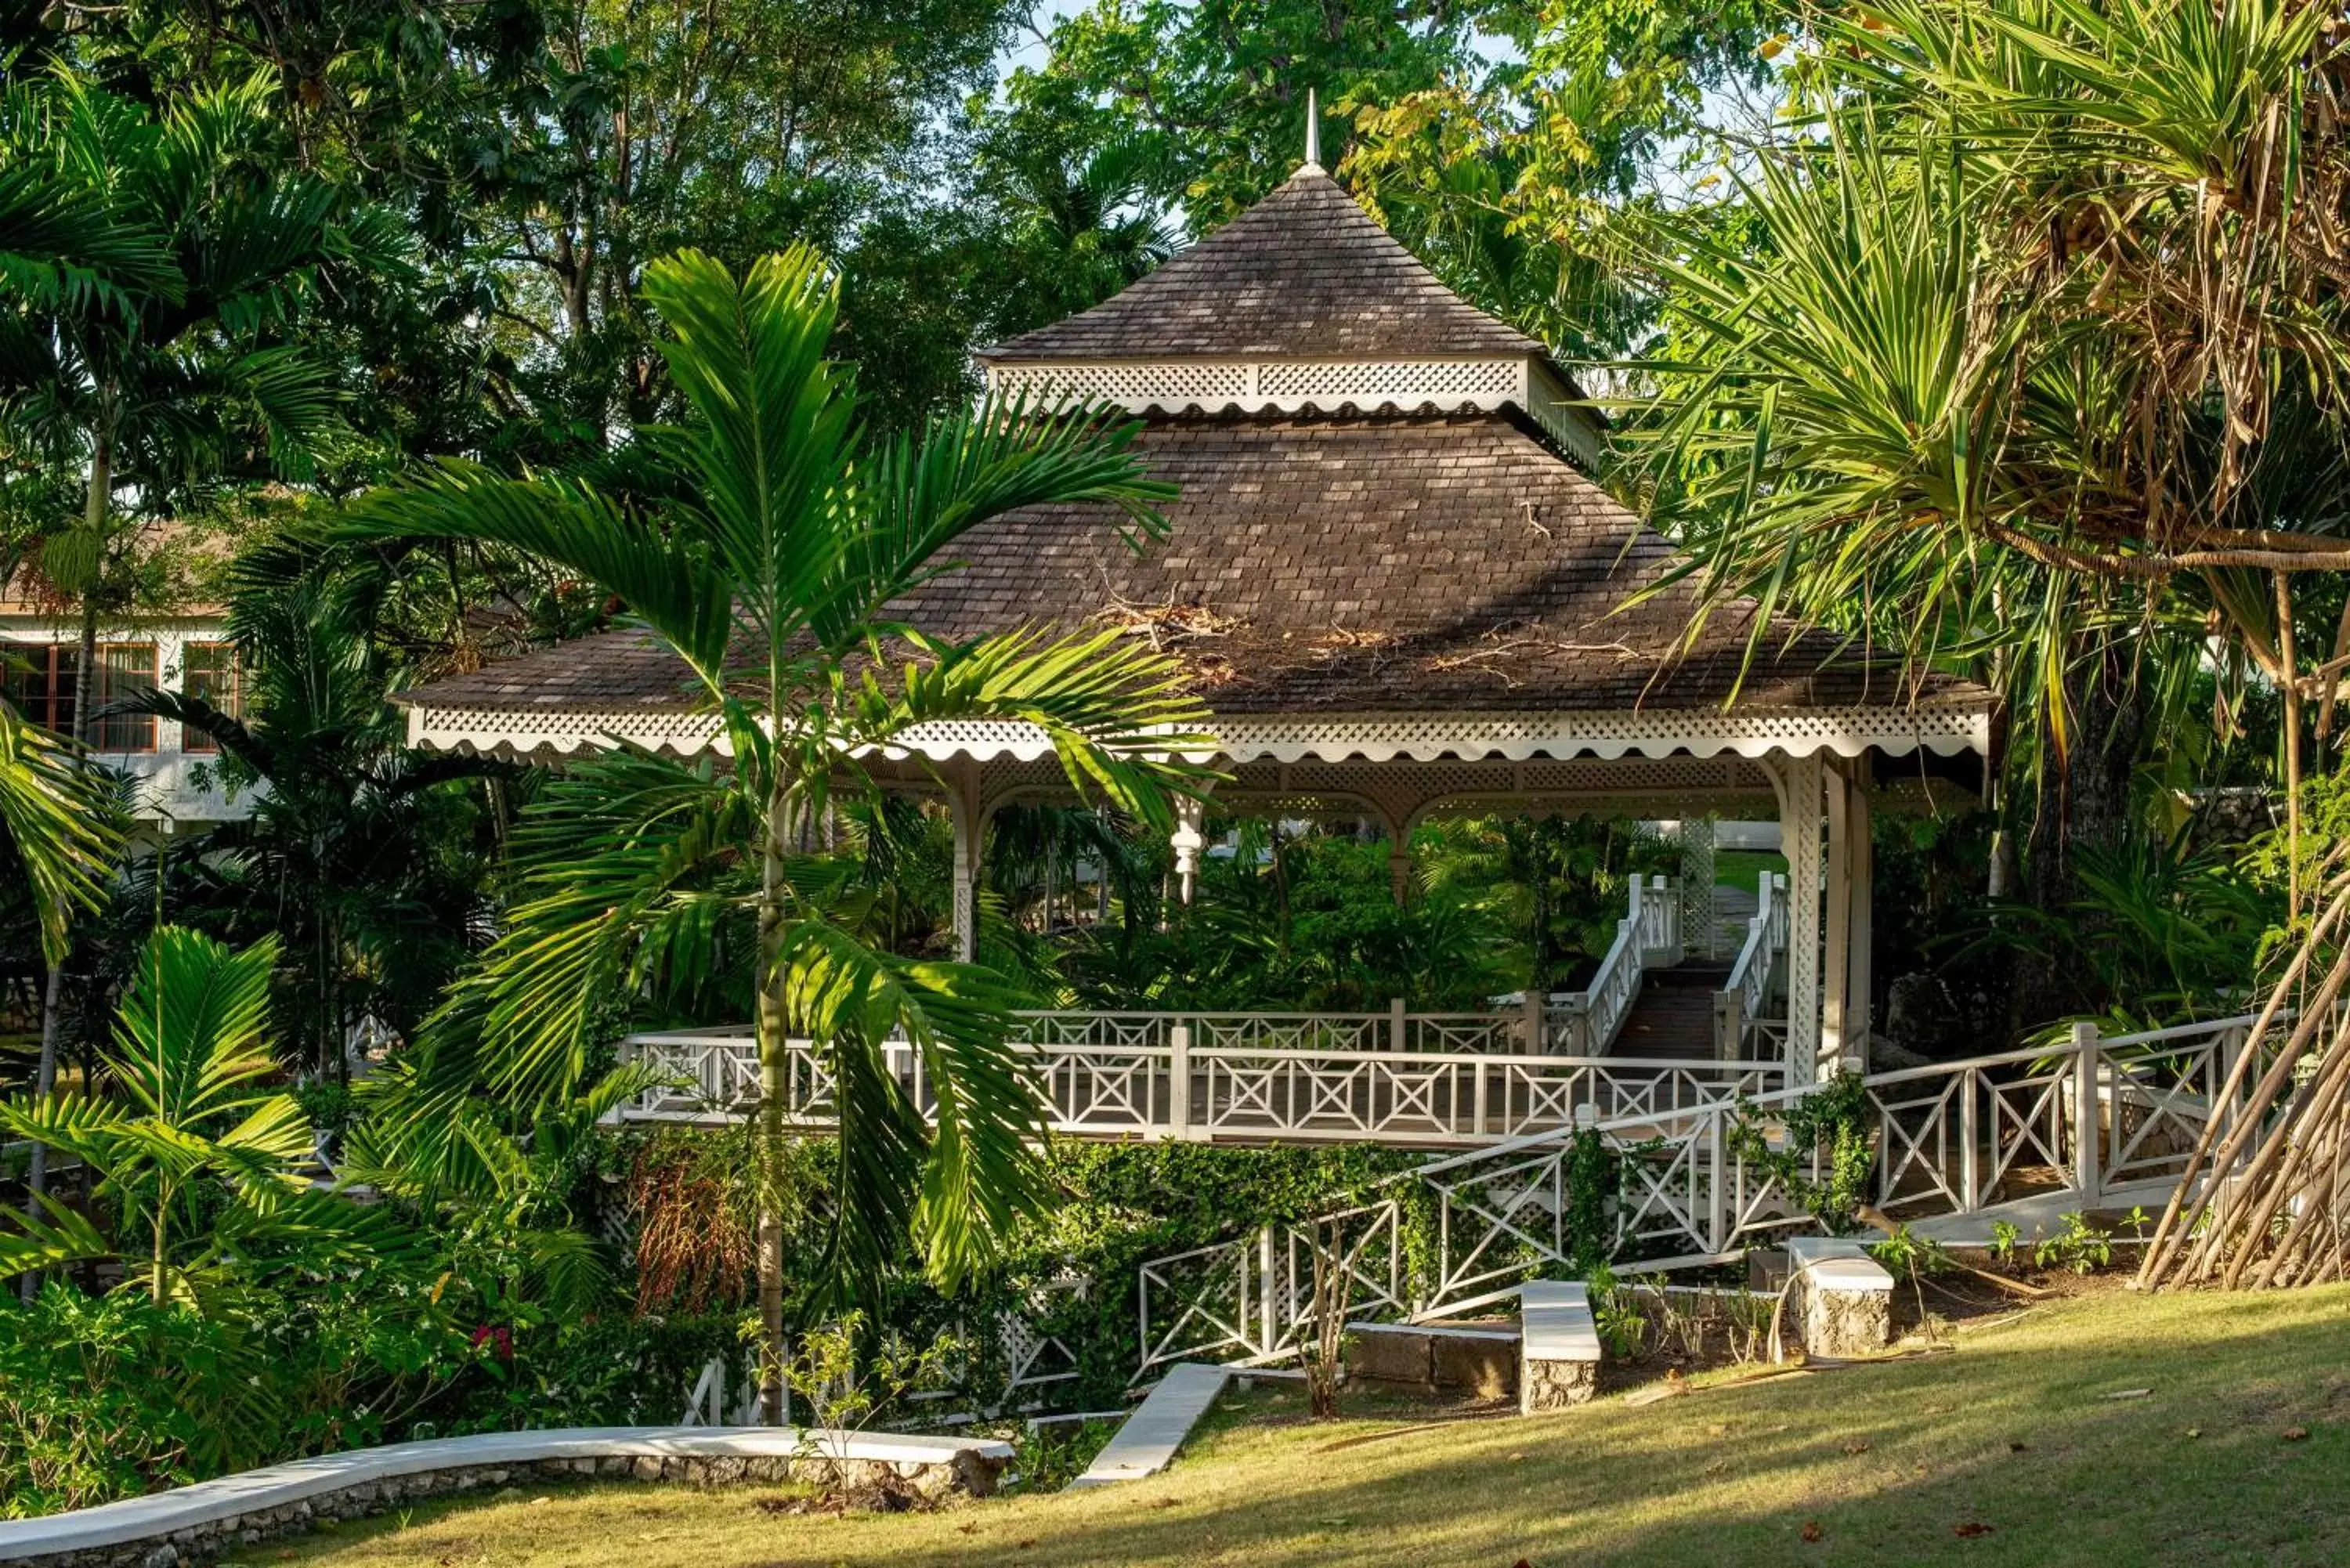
(772, 1036)
(2083, 801)
(98, 497)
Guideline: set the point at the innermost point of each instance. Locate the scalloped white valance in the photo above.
(1241, 738)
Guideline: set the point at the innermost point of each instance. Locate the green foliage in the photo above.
(197, 1163)
(1054, 1453)
(1910, 1255)
(2079, 1246)
(1115, 1206)
(1212, 95)
(788, 530)
(847, 1372)
(2168, 930)
(2003, 1238)
(105, 1397)
(1616, 1313)
(361, 856)
(1832, 1122)
(1309, 921)
(59, 824)
(1594, 1176)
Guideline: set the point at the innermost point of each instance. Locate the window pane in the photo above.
(39, 679)
(209, 671)
(125, 669)
(25, 679)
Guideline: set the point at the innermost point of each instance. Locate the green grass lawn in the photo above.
(2009, 1450)
(1745, 867)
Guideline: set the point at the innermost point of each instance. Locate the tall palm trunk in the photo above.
(772, 1033)
(53, 990)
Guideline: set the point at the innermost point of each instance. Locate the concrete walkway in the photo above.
(168, 1513)
(1147, 1443)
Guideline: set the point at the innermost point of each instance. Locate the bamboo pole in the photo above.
(2176, 1226)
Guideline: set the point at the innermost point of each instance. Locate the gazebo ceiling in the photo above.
(1343, 577)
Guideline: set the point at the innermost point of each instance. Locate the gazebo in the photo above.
(1393, 583)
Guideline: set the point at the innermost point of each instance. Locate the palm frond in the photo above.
(668, 579)
(63, 821)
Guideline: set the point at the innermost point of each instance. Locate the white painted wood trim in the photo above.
(1373, 737)
(1554, 1317)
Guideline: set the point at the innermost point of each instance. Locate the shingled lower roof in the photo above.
(1304, 272)
(1383, 562)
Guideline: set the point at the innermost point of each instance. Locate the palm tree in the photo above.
(60, 821)
(348, 854)
(1089, 226)
(785, 533)
(2007, 358)
(161, 264)
(197, 1160)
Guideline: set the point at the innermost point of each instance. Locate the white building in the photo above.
(177, 774)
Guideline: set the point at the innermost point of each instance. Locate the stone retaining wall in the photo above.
(970, 1468)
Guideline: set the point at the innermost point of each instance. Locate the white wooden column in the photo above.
(1836, 959)
(963, 810)
(1400, 864)
(1858, 992)
(1799, 831)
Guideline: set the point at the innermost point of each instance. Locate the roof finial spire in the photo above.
(1313, 164)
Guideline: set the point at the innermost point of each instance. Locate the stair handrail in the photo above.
(1651, 923)
(1758, 956)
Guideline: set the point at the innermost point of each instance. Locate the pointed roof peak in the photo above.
(1306, 272)
(1313, 164)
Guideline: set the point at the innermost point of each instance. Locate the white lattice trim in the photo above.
(1287, 385)
(1372, 737)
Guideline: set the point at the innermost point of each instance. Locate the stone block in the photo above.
(1843, 1297)
(1559, 1347)
(1389, 1352)
(1484, 1362)
(1556, 1384)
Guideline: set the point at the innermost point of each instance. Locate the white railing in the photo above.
(1251, 1298)
(1585, 1022)
(2080, 1119)
(1740, 1007)
(1253, 1077)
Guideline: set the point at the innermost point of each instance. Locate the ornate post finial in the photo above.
(1313, 164)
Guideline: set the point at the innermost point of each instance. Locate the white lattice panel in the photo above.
(1397, 381)
(1174, 384)
(1282, 385)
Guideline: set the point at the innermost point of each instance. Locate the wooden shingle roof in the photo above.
(1333, 560)
(1306, 272)
(1389, 562)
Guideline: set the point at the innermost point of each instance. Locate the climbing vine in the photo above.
(1833, 1120)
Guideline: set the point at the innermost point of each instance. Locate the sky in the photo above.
(1029, 49)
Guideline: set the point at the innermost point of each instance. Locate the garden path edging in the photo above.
(192, 1522)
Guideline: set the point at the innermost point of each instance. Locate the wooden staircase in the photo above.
(1673, 1015)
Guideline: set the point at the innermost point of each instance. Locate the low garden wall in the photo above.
(193, 1524)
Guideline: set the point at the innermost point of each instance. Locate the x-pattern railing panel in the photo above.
(1948, 1139)
(1917, 1138)
(1252, 1297)
(2027, 1122)
(2165, 1094)
(1203, 1293)
(1095, 1081)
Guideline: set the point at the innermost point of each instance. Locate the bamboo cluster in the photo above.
(2265, 1198)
